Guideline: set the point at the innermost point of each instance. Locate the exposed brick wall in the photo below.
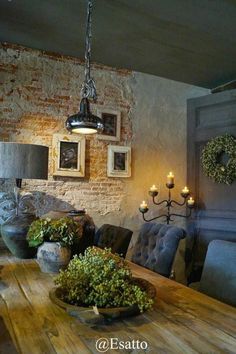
(38, 92)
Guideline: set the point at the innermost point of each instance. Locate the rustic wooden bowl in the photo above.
(87, 314)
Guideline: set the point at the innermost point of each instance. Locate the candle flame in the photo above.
(170, 174)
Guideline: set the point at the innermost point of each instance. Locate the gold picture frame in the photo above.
(68, 155)
(119, 161)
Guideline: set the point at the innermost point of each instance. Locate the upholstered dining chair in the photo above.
(115, 237)
(156, 247)
(219, 271)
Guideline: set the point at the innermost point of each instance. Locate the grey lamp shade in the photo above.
(23, 161)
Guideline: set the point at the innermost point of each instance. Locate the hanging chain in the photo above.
(88, 88)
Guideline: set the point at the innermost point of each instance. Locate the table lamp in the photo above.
(20, 161)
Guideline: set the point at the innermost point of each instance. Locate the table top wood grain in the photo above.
(183, 320)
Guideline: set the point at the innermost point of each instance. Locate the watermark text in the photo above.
(105, 344)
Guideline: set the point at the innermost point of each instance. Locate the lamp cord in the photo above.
(88, 89)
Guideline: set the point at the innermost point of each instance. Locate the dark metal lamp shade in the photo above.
(84, 122)
(23, 161)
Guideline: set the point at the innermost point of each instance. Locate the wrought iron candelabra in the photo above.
(169, 203)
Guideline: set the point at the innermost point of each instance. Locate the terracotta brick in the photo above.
(42, 89)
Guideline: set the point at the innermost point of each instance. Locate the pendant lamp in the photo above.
(84, 122)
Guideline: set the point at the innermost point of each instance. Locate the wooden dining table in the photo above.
(182, 320)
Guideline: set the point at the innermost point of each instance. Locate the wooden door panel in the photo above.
(215, 215)
(216, 115)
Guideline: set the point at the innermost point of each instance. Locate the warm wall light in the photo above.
(170, 179)
(191, 202)
(153, 188)
(84, 122)
(185, 190)
(143, 206)
(153, 192)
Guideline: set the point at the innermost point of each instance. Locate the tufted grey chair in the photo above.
(115, 237)
(156, 247)
(219, 272)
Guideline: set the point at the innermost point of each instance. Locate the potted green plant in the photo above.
(102, 279)
(54, 239)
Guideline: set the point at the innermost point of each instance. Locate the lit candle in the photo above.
(191, 201)
(185, 190)
(170, 178)
(143, 205)
(153, 188)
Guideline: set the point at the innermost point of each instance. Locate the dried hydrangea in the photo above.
(100, 278)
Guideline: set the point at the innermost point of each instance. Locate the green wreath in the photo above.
(212, 163)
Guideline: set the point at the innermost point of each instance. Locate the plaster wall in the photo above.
(38, 92)
(159, 144)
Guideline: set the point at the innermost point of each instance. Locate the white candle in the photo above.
(185, 190)
(143, 205)
(191, 201)
(170, 178)
(153, 188)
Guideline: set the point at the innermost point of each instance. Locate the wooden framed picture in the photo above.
(112, 123)
(119, 161)
(68, 153)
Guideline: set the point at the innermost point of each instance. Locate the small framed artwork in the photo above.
(119, 161)
(112, 122)
(68, 155)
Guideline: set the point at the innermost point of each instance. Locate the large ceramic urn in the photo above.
(52, 256)
(14, 233)
(19, 161)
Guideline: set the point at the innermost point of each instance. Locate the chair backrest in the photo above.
(115, 237)
(156, 247)
(219, 272)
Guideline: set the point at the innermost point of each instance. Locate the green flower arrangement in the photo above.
(103, 279)
(63, 230)
(210, 158)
